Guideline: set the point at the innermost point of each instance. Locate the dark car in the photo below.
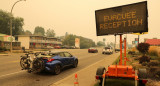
(65, 47)
(117, 50)
(92, 50)
(52, 62)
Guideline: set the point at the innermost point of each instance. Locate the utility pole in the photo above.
(11, 23)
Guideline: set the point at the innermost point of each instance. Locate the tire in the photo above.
(142, 74)
(75, 64)
(57, 69)
(24, 63)
(38, 65)
(100, 72)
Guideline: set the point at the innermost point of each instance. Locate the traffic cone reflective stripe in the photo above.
(76, 80)
(76, 83)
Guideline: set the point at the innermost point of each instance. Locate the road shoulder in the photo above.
(86, 76)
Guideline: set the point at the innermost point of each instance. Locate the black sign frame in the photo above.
(140, 8)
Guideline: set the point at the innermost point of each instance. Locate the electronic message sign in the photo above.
(132, 18)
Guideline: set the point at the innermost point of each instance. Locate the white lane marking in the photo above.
(11, 74)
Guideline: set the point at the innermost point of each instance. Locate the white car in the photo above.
(107, 50)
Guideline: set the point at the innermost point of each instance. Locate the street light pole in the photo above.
(11, 23)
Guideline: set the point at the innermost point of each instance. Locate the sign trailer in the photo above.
(132, 18)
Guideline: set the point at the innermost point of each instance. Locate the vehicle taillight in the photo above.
(50, 60)
(144, 81)
(97, 77)
(44, 57)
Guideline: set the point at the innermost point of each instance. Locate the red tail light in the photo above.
(144, 81)
(50, 60)
(45, 58)
(97, 77)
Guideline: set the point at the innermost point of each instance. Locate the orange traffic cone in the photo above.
(76, 80)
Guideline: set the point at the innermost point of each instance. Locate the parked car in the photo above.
(65, 47)
(52, 62)
(57, 47)
(107, 50)
(92, 50)
(117, 50)
(72, 47)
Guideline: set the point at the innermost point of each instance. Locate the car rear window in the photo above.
(92, 48)
(106, 48)
(61, 54)
(67, 54)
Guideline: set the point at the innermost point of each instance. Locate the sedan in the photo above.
(57, 47)
(52, 62)
(92, 50)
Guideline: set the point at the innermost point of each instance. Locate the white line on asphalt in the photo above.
(10, 74)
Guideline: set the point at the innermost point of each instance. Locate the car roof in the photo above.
(107, 47)
(92, 48)
(55, 52)
(58, 51)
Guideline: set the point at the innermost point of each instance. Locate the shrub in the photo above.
(131, 52)
(143, 47)
(153, 63)
(154, 73)
(136, 58)
(144, 63)
(2, 49)
(144, 59)
(153, 51)
(157, 74)
(158, 51)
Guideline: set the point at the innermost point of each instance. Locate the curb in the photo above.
(3, 54)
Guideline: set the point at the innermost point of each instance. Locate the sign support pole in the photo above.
(120, 62)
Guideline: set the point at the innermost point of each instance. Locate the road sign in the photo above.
(132, 18)
(77, 42)
(133, 42)
(136, 39)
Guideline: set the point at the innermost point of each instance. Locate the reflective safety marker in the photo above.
(76, 80)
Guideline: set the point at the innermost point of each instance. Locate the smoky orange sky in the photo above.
(76, 16)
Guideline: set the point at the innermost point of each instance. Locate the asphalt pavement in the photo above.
(12, 75)
(86, 76)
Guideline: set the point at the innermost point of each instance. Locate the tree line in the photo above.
(69, 40)
(17, 29)
(17, 26)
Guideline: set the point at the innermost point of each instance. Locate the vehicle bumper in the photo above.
(107, 52)
(48, 67)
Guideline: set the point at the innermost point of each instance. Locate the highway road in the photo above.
(12, 75)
